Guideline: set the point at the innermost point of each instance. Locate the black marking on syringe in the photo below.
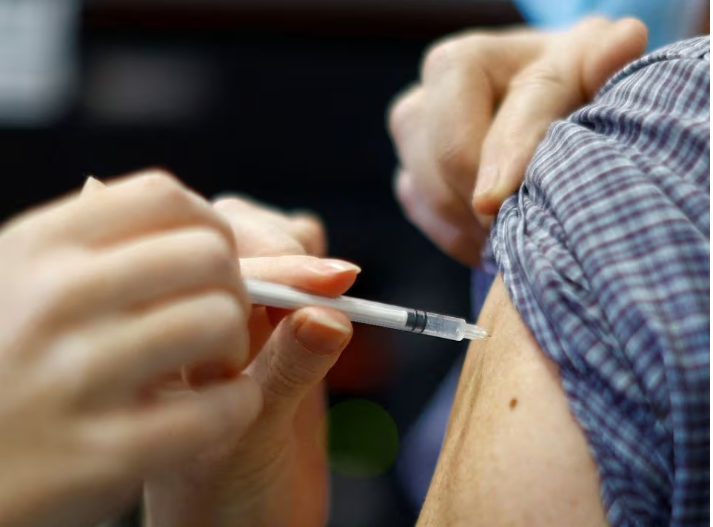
(416, 320)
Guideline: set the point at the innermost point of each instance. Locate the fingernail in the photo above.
(487, 180)
(334, 267)
(321, 333)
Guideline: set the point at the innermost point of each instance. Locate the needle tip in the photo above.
(474, 332)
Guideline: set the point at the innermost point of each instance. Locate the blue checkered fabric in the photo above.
(605, 252)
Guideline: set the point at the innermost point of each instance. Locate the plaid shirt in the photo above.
(605, 252)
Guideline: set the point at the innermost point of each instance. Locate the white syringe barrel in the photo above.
(356, 309)
(365, 311)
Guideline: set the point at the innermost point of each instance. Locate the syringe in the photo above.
(366, 311)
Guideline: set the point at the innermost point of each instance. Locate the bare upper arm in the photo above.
(513, 453)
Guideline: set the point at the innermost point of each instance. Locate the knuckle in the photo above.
(217, 254)
(421, 208)
(310, 222)
(74, 380)
(450, 54)
(224, 320)
(229, 205)
(316, 229)
(164, 188)
(210, 257)
(456, 156)
(539, 75)
(439, 58)
(401, 112)
(62, 286)
(284, 245)
(158, 178)
(223, 313)
(403, 189)
(309, 231)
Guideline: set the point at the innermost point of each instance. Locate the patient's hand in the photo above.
(466, 133)
(277, 474)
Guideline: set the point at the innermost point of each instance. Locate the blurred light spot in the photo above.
(363, 438)
(367, 365)
(138, 87)
(38, 73)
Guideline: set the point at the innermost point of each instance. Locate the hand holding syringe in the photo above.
(367, 312)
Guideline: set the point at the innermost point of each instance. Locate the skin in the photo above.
(277, 474)
(97, 307)
(510, 425)
(466, 132)
(114, 408)
(513, 453)
(485, 101)
(126, 327)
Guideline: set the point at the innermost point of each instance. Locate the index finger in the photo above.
(261, 230)
(325, 277)
(328, 277)
(131, 207)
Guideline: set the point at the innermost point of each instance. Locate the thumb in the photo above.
(92, 186)
(298, 355)
(568, 74)
(624, 41)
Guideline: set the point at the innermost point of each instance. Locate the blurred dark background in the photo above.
(282, 100)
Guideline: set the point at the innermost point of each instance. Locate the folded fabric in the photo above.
(605, 253)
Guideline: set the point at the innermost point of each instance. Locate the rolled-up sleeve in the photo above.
(605, 253)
